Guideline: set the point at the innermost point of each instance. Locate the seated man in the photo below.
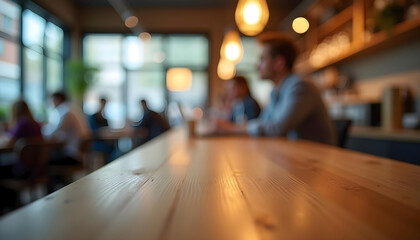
(72, 129)
(295, 109)
(152, 123)
(99, 124)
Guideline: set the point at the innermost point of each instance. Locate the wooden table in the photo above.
(230, 188)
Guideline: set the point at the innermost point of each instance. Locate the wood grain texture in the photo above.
(211, 205)
(176, 187)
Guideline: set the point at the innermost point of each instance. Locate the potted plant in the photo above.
(78, 78)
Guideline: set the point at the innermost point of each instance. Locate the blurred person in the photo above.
(295, 109)
(22, 126)
(72, 128)
(98, 121)
(152, 123)
(244, 106)
(22, 123)
(99, 126)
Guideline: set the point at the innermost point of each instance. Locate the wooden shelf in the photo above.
(403, 32)
(335, 23)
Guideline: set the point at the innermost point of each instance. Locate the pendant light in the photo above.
(251, 16)
(226, 69)
(231, 49)
(178, 79)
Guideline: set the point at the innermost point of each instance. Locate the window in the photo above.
(42, 59)
(41, 44)
(7, 24)
(130, 70)
(9, 55)
(1, 47)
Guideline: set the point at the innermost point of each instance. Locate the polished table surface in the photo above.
(230, 188)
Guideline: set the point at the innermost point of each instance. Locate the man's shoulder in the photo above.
(297, 82)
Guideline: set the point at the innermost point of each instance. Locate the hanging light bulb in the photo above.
(226, 69)
(232, 47)
(251, 16)
(178, 79)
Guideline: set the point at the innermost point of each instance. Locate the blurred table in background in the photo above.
(232, 187)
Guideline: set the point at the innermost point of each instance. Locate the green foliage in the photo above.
(3, 113)
(389, 16)
(79, 77)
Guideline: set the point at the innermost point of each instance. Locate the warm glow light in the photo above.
(145, 36)
(252, 13)
(300, 25)
(233, 51)
(251, 16)
(131, 21)
(178, 79)
(226, 69)
(232, 47)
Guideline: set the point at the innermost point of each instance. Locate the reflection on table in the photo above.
(232, 187)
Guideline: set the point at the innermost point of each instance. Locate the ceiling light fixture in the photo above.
(231, 48)
(251, 16)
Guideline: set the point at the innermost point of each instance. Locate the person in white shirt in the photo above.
(72, 128)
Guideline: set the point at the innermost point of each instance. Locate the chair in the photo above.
(342, 127)
(32, 154)
(67, 172)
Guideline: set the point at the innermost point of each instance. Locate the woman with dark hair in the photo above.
(22, 123)
(244, 107)
(22, 126)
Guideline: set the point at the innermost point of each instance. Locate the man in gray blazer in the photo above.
(295, 109)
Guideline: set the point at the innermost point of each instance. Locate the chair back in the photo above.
(84, 149)
(33, 155)
(342, 127)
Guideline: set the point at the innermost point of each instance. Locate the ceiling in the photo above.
(286, 5)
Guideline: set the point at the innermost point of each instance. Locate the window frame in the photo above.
(45, 54)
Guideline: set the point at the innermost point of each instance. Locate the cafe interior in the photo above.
(104, 56)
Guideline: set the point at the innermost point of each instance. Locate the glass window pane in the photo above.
(145, 85)
(102, 49)
(54, 75)
(33, 29)
(196, 96)
(9, 17)
(187, 50)
(251, 52)
(33, 92)
(9, 59)
(54, 38)
(108, 83)
(9, 92)
(133, 53)
(153, 50)
(144, 55)
(9, 75)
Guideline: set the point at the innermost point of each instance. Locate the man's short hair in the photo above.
(280, 45)
(61, 96)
